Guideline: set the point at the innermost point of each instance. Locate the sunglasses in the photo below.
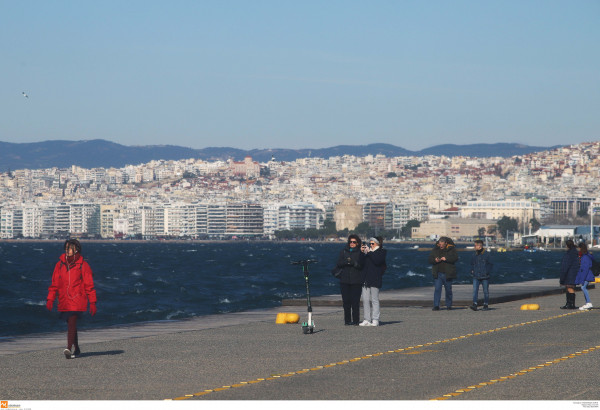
(372, 243)
(353, 242)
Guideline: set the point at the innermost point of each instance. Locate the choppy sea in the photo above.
(140, 282)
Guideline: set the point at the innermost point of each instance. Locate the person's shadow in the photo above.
(107, 353)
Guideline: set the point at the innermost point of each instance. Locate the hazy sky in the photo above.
(300, 74)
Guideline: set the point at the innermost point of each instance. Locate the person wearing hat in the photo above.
(73, 284)
(373, 268)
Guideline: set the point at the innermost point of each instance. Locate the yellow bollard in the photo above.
(530, 306)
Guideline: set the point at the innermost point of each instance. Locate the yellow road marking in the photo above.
(513, 375)
(399, 350)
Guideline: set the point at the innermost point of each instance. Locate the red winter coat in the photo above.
(74, 285)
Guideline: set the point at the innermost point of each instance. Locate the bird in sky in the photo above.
(24, 95)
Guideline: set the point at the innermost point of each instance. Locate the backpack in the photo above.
(595, 268)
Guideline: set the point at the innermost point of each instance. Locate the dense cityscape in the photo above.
(196, 199)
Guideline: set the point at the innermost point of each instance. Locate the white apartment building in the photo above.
(521, 210)
(300, 216)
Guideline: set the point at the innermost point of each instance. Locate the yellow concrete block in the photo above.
(530, 306)
(283, 318)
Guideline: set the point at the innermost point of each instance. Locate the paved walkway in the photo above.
(416, 354)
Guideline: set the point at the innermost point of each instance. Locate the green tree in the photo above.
(507, 224)
(406, 231)
(535, 224)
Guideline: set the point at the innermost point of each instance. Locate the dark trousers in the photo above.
(351, 301)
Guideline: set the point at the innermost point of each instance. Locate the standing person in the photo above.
(568, 272)
(350, 260)
(443, 258)
(481, 268)
(373, 269)
(584, 274)
(73, 282)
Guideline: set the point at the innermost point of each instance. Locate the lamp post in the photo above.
(592, 211)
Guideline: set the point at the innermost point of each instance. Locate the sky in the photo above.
(300, 74)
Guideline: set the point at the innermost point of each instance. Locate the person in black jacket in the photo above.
(350, 260)
(373, 268)
(568, 273)
(443, 257)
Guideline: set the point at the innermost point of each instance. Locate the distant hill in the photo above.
(102, 153)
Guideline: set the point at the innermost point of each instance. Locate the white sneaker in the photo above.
(375, 323)
(365, 323)
(68, 354)
(586, 306)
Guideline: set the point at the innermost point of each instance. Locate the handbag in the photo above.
(336, 272)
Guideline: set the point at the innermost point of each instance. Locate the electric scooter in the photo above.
(309, 325)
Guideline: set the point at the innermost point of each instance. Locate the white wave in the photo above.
(411, 273)
(172, 315)
(8, 261)
(191, 250)
(137, 312)
(242, 263)
(136, 273)
(224, 300)
(34, 303)
(310, 248)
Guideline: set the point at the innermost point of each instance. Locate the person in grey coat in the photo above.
(481, 268)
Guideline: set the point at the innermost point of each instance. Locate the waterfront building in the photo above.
(300, 216)
(521, 210)
(348, 214)
(455, 228)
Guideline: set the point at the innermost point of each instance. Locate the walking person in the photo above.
(443, 258)
(73, 283)
(585, 276)
(373, 269)
(568, 273)
(350, 261)
(481, 268)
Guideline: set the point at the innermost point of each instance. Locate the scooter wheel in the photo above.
(305, 330)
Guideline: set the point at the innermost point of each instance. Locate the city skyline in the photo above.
(196, 198)
(288, 75)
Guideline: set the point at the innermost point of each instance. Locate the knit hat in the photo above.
(374, 240)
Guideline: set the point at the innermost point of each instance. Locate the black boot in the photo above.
(572, 306)
(566, 306)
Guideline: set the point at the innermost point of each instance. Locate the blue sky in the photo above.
(308, 74)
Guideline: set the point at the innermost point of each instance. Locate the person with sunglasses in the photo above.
(373, 268)
(350, 261)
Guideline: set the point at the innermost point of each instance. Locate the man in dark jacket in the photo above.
(481, 268)
(443, 258)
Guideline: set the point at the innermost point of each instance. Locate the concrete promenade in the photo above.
(416, 354)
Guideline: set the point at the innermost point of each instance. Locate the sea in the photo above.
(165, 281)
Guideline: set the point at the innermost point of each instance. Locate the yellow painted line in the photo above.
(513, 375)
(399, 350)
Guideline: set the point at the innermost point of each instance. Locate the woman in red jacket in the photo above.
(72, 280)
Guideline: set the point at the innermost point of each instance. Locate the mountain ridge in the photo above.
(106, 154)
